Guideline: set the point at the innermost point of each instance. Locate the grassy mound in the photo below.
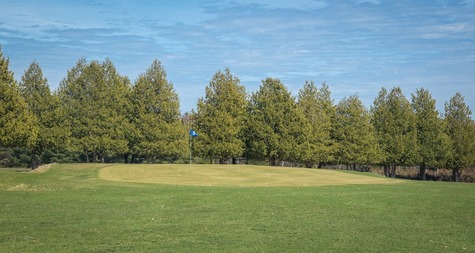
(234, 175)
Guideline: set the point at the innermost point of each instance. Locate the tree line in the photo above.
(97, 115)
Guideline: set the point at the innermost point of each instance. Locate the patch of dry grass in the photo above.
(43, 168)
(234, 175)
(27, 187)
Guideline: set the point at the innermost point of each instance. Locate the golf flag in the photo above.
(193, 133)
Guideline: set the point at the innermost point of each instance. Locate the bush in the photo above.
(14, 157)
(7, 158)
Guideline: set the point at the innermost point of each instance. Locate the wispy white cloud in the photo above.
(271, 4)
(297, 4)
(468, 2)
(367, 1)
(439, 31)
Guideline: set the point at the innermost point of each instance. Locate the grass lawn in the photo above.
(234, 175)
(165, 208)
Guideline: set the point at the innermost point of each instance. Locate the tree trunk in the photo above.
(393, 171)
(34, 160)
(234, 160)
(456, 174)
(86, 154)
(33, 164)
(386, 170)
(126, 158)
(94, 157)
(423, 172)
(272, 161)
(308, 165)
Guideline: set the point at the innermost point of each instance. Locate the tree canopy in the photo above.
(273, 124)
(354, 135)
(94, 96)
(395, 125)
(319, 111)
(46, 107)
(461, 130)
(155, 114)
(220, 116)
(432, 141)
(17, 123)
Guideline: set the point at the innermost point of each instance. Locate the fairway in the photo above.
(234, 175)
(229, 208)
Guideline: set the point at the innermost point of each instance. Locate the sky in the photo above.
(355, 46)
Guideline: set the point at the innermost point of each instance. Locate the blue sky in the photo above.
(355, 46)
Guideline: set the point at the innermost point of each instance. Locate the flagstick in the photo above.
(193, 134)
(190, 149)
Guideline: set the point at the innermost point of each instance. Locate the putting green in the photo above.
(234, 175)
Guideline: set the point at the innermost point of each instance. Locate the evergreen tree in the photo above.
(274, 126)
(395, 125)
(95, 98)
(115, 107)
(17, 124)
(461, 130)
(431, 137)
(46, 107)
(317, 107)
(220, 118)
(159, 131)
(354, 134)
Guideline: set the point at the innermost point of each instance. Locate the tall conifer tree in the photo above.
(461, 130)
(431, 137)
(317, 106)
(354, 135)
(95, 99)
(52, 132)
(274, 127)
(220, 117)
(17, 124)
(159, 132)
(395, 125)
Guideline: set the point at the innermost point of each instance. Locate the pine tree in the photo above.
(220, 117)
(17, 124)
(46, 107)
(431, 137)
(395, 125)
(274, 126)
(461, 130)
(354, 134)
(159, 131)
(95, 98)
(318, 110)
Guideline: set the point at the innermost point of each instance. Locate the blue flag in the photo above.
(193, 133)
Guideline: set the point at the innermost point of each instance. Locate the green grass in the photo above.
(70, 208)
(234, 175)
